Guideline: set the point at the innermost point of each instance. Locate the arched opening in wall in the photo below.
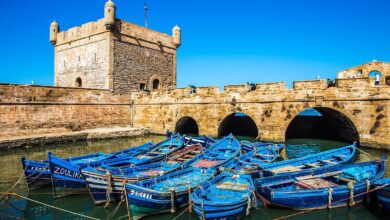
(79, 83)
(322, 123)
(238, 124)
(156, 84)
(187, 125)
(376, 75)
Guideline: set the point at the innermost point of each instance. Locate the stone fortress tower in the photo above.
(114, 54)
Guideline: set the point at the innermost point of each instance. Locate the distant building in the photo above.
(114, 54)
(368, 70)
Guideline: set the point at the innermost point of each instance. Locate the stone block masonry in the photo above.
(356, 109)
(33, 110)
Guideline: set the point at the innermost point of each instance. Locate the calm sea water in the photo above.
(11, 169)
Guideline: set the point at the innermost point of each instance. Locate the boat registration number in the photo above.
(140, 194)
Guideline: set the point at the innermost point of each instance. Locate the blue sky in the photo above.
(223, 41)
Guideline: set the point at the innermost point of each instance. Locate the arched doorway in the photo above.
(156, 84)
(79, 83)
(322, 123)
(187, 125)
(238, 124)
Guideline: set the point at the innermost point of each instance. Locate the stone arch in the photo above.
(187, 125)
(334, 124)
(239, 124)
(79, 82)
(155, 82)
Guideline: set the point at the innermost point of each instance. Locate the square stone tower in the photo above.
(114, 54)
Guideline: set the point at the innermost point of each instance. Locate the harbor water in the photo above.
(11, 170)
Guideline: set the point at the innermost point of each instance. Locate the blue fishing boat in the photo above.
(248, 146)
(165, 193)
(159, 152)
(329, 187)
(106, 180)
(382, 193)
(252, 161)
(38, 173)
(219, 153)
(313, 161)
(67, 177)
(227, 196)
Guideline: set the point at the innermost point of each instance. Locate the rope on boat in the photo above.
(184, 211)
(173, 209)
(50, 206)
(128, 208)
(330, 197)
(4, 195)
(351, 188)
(108, 190)
(248, 207)
(365, 153)
(189, 200)
(368, 184)
(119, 204)
(341, 200)
(203, 214)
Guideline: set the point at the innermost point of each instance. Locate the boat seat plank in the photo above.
(286, 169)
(315, 183)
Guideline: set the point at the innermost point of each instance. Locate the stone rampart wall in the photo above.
(30, 110)
(352, 103)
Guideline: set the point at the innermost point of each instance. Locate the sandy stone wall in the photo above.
(119, 59)
(363, 71)
(30, 110)
(135, 65)
(355, 104)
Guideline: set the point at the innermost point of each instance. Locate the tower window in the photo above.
(142, 86)
(156, 84)
(79, 83)
(360, 72)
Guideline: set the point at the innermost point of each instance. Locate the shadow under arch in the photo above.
(187, 125)
(238, 124)
(322, 123)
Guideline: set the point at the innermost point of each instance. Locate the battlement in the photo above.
(80, 32)
(310, 84)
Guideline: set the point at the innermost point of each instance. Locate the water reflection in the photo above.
(10, 170)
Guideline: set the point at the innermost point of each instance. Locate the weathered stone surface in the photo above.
(119, 59)
(134, 65)
(354, 104)
(29, 110)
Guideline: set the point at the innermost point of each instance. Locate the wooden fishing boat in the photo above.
(249, 146)
(67, 177)
(106, 180)
(165, 193)
(38, 173)
(252, 161)
(329, 187)
(159, 152)
(219, 153)
(313, 161)
(227, 196)
(383, 193)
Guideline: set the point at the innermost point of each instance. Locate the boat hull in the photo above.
(383, 193)
(37, 173)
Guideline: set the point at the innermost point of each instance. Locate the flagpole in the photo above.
(146, 14)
